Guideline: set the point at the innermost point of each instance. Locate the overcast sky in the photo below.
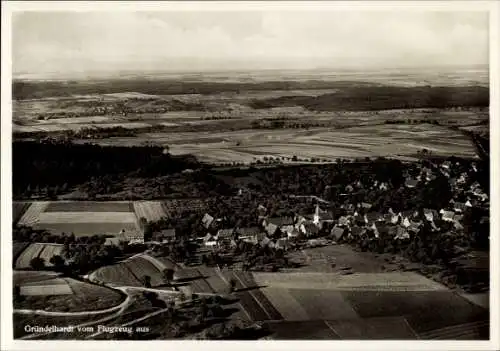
(77, 42)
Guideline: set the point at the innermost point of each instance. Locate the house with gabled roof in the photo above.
(207, 220)
(320, 216)
(374, 228)
(446, 165)
(430, 214)
(343, 221)
(447, 215)
(309, 229)
(414, 227)
(365, 205)
(371, 217)
(247, 232)
(261, 211)
(337, 232)
(265, 241)
(401, 233)
(225, 233)
(459, 207)
(271, 229)
(411, 182)
(281, 243)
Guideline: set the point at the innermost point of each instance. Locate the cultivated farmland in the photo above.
(18, 209)
(32, 251)
(89, 206)
(42, 250)
(84, 218)
(31, 216)
(67, 295)
(152, 211)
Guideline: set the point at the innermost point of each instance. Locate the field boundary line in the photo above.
(332, 329)
(219, 273)
(253, 296)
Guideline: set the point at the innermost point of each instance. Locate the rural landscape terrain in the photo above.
(252, 205)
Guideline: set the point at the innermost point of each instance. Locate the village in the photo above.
(438, 231)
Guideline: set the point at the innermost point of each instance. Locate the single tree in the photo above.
(37, 263)
(146, 280)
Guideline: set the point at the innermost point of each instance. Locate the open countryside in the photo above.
(294, 175)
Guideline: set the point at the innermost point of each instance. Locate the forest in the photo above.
(62, 165)
(384, 98)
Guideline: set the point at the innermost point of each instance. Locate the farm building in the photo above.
(321, 216)
(247, 232)
(411, 182)
(430, 215)
(337, 232)
(371, 217)
(309, 229)
(406, 222)
(207, 220)
(459, 207)
(281, 243)
(447, 215)
(261, 211)
(225, 233)
(271, 229)
(365, 205)
(343, 221)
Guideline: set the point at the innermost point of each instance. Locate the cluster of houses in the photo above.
(359, 220)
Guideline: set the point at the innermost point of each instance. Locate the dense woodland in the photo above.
(58, 166)
(38, 89)
(384, 97)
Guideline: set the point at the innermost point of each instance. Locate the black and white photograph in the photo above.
(254, 171)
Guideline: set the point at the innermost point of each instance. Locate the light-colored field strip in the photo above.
(72, 120)
(32, 251)
(45, 290)
(87, 217)
(151, 210)
(393, 281)
(455, 331)
(50, 250)
(32, 214)
(158, 264)
(286, 304)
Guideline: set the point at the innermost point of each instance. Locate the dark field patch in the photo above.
(324, 304)
(17, 249)
(309, 330)
(88, 206)
(423, 310)
(395, 328)
(18, 209)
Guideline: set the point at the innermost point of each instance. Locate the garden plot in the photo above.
(152, 211)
